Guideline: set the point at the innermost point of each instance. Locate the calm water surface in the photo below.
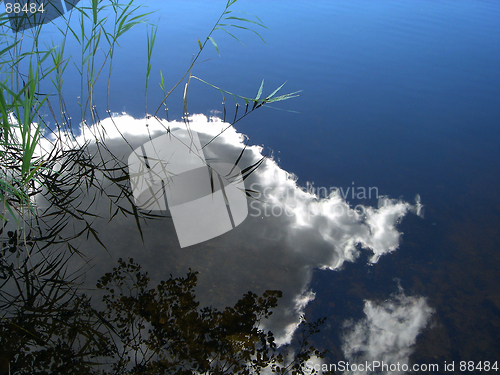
(403, 96)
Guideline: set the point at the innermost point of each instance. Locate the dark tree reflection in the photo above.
(49, 328)
(162, 330)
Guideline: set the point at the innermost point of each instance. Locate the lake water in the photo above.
(401, 96)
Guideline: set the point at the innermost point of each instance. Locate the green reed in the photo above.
(38, 274)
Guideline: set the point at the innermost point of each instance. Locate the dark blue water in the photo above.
(400, 95)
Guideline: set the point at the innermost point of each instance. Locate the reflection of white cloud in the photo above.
(387, 334)
(287, 233)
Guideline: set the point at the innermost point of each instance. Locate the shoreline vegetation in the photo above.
(47, 324)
